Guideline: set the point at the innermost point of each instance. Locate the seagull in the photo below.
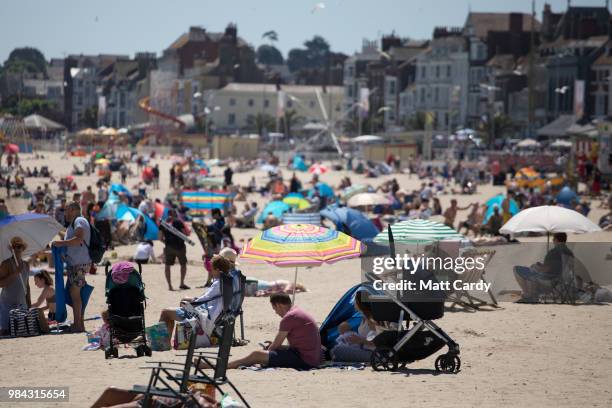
(562, 90)
(318, 6)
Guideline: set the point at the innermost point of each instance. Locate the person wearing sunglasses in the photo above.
(14, 285)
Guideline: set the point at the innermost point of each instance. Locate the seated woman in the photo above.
(354, 346)
(118, 398)
(207, 307)
(43, 281)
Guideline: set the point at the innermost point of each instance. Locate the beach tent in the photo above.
(299, 164)
(125, 213)
(324, 189)
(343, 311)
(119, 188)
(109, 209)
(497, 201)
(351, 222)
(276, 208)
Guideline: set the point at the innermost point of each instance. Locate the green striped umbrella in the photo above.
(418, 231)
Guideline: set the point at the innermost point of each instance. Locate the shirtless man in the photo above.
(451, 213)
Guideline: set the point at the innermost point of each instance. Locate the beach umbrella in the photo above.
(350, 191)
(367, 139)
(161, 212)
(368, 199)
(297, 202)
(36, 230)
(276, 208)
(109, 132)
(87, 132)
(318, 168)
(125, 213)
(418, 231)
(549, 219)
(530, 143)
(11, 148)
(268, 168)
(295, 245)
(200, 203)
(497, 201)
(566, 196)
(102, 161)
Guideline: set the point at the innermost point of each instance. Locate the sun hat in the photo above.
(229, 254)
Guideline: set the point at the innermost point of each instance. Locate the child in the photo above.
(43, 281)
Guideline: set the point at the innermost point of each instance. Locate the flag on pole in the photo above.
(364, 102)
(280, 107)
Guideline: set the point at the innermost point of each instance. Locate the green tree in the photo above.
(498, 128)
(26, 59)
(416, 122)
(289, 120)
(269, 55)
(313, 55)
(90, 117)
(259, 122)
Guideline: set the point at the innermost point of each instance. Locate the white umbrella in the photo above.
(549, 219)
(528, 143)
(367, 139)
(36, 230)
(561, 143)
(367, 199)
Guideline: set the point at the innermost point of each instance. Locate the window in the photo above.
(437, 71)
(392, 88)
(351, 70)
(251, 102)
(423, 72)
(349, 93)
(436, 94)
(448, 71)
(122, 100)
(121, 119)
(266, 103)
(79, 99)
(232, 102)
(231, 119)
(422, 95)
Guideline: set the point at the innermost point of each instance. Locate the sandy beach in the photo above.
(516, 356)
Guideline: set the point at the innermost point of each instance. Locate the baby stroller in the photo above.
(406, 344)
(126, 301)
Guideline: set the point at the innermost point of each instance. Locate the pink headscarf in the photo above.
(121, 272)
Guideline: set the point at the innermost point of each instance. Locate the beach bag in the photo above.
(181, 336)
(24, 323)
(96, 245)
(158, 337)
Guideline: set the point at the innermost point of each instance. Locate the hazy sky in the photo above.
(57, 27)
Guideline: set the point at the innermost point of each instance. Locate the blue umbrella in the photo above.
(126, 213)
(276, 208)
(566, 196)
(351, 221)
(497, 201)
(294, 195)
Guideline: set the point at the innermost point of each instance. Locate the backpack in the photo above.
(96, 247)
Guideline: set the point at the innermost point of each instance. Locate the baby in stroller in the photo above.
(126, 302)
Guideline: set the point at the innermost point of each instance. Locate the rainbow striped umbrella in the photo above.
(295, 245)
(202, 202)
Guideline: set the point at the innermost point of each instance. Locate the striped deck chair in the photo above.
(463, 297)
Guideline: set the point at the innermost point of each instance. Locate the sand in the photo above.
(518, 355)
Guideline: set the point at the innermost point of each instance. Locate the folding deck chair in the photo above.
(463, 297)
(169, 379)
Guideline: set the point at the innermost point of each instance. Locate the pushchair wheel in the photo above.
(448, 363)
(147, 351)
(139, 351)
(384, 359)
(111, 352)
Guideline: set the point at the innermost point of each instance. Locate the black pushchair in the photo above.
(416, 336)
(126, 305)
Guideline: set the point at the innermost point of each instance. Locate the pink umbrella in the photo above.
(11, 148)
(318, 169)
